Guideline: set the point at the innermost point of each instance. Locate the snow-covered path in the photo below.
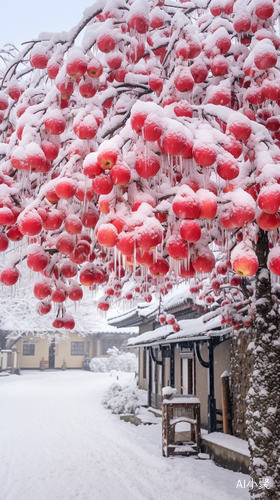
(58, 443)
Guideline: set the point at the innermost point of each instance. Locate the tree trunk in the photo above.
(263, 400)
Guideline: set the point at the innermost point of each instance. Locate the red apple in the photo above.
(30, 222)
(186, 205)
(219, 66)
(204, 154)
(102, 184)
(53, 220)
(183, 79)
(4, 103)
(41, 290)
(87, 87)
(107, 235)
(73, 224)
(139, 22)
(6, 216)
(106, 42)
(227, 167)
(245, 264)
(4, 242)
(94, 68)
(150, 235)
(268, 222)
(68, 269)
(147, 167)
(14, 234)
(76, 293)
(183, 108)
(50, 194)
(58, 323)
(43, 308)
(240, 127)
(53, 68)
(91, 167)
(76, 64)
(160, 267)
(84, 192)
(144, 258)
(209, 204)
(50, 150)
(65, 187)
(203, 260)
(156, 83)
(85, 128)
(65, 243)
(14, 90)
(176, 247)
(269, 198)
(174, 141)
(69, 322)
(152, 129)
(120, 174)
(273, 261)
(126, 243)
(80, 253)
(9, 276)
(65, 85)
(199, 71)
(137, 120)
(90, 217)
(190, 230)
(39, 56)
(107, 155)
(235, 280)
(37, 259)
(58, 295)
(55, 123)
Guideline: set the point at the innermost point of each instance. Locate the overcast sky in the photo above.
(22, 20)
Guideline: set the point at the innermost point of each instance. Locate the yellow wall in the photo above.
(62, 351)
(41, 351)
(143, 382)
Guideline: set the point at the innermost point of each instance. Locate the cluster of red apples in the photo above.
(147, 156)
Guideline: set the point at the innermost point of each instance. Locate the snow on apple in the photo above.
(244, 260)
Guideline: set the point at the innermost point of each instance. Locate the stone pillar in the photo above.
(241, 369)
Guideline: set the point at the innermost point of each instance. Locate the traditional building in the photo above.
(55, 350)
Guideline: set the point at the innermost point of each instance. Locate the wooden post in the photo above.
(226, 406)
(197, 427)
(13, 358)
(164, 430)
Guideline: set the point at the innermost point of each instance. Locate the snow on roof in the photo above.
(177, 297)
(190, 329)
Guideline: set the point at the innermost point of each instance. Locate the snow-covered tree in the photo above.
(146, 156)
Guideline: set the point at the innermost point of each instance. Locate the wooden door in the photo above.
(52, 355)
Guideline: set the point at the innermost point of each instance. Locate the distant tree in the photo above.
(147, 156)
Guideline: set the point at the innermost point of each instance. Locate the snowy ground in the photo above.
(58, 443)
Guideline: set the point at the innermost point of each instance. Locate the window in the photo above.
(145, 362)
(77, 348)
(28, 349)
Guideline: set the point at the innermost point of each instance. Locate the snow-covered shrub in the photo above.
(117, 360)
(98, 365)
(122, 399)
